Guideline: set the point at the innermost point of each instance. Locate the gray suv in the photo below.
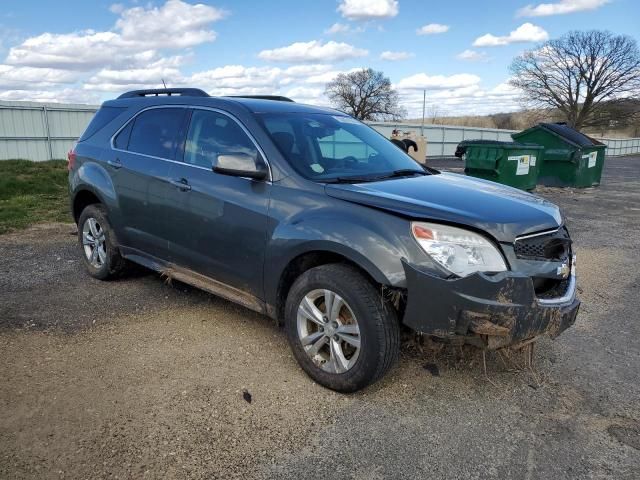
(313, 218)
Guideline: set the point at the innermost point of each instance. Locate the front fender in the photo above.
(371, 239)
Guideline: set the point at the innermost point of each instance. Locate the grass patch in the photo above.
(32, 192)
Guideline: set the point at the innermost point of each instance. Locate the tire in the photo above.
(362, 309)
(107, 262)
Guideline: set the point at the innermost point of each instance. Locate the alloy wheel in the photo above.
(328, 331)
(94, 242)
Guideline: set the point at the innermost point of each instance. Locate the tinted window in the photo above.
(122, 139)
(155, 132)
(211, 134)
(100, 119)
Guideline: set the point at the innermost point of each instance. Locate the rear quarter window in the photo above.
(122, 139)
(100, 119)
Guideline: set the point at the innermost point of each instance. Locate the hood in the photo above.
(503, 212)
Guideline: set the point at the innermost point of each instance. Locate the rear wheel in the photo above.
(341, 332)
(97, 242)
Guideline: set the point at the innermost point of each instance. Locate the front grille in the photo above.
(547, 288)
(552, 246)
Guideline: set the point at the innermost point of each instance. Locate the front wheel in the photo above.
(342, 333)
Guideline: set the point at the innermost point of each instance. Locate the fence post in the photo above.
(46, 126)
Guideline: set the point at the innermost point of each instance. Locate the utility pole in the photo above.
(424, 101)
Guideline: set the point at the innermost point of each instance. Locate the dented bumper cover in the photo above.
(491, 311)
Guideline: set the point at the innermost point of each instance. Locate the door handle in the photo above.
(181, 183)
(115, 163)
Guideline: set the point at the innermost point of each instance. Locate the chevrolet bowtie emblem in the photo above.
(563, 270)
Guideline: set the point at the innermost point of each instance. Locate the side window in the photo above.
(155, 132)
(122, 139)
(211, 134)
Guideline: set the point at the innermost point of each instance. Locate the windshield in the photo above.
(334, 148)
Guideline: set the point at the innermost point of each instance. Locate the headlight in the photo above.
(459, 251)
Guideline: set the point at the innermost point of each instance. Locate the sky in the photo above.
(459, 51)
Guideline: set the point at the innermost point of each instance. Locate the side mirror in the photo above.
(240, 165)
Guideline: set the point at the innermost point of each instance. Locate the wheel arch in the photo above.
(315, 257)
(82, 199)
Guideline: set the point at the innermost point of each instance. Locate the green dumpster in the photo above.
(571, 159)
(510, 163)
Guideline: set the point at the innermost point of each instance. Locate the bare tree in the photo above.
(365, 94)
(434, 112)
(578, 74)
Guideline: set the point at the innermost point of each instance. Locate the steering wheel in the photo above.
(350, 161)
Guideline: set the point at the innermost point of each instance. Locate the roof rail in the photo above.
(278, 98)
(184, 92)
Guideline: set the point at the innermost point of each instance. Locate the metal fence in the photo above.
(42, 131)
(442, 139)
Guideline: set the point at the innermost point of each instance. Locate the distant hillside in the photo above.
(622, 120)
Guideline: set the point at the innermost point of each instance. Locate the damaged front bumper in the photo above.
(490, 311)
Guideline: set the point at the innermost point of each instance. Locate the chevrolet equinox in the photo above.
(315, 219)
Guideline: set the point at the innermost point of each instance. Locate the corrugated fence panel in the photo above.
(31, 149)
(66, 123)
(39, 131)
(21, 123)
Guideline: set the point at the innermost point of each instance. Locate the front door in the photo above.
(223, 219)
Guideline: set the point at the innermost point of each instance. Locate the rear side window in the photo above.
(155, 132)
(100, 119)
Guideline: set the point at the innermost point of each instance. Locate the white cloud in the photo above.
(527, 32)
(174, 25)
(151, 76)
(30, 78)
(471, 99)
(422, 81)
(117, 8)
(343, 28)
(395, 56)
(561, 7)
(313, 51)
(138, 34)
(338, 28)
(432, 29)
(297, 81)
(66, 95)
(314, 96)
(324, 78)
(368, 9)
(306, 70)
(473, 56)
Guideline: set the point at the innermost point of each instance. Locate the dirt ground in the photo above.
(140, 379)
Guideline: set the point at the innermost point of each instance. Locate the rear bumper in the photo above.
(491, 311)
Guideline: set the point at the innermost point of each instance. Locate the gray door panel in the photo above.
(220, 230)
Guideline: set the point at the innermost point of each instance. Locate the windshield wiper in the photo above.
(404, 172)
(353, 179)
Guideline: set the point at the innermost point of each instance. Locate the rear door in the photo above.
(142, 156)
(223, 219)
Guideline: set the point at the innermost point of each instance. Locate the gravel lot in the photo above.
(140, 379)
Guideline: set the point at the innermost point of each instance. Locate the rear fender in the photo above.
(93, 177)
